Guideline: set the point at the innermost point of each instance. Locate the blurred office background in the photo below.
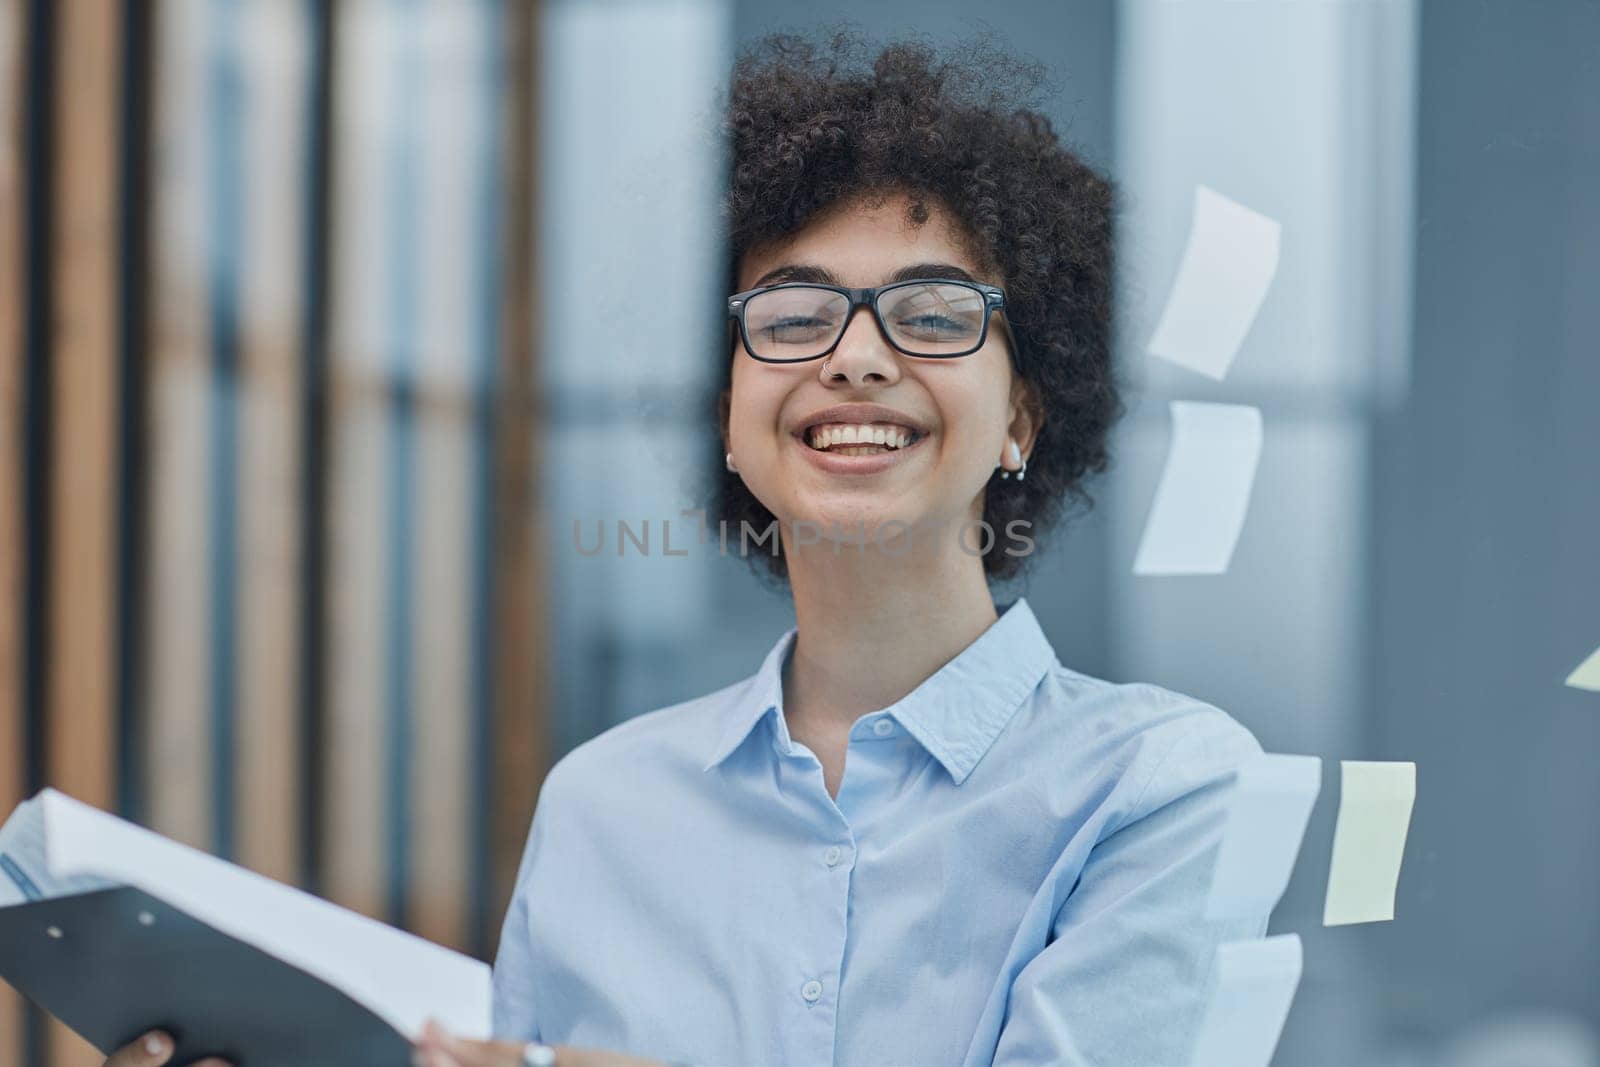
(316, 340)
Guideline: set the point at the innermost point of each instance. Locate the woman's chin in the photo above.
(856, 530)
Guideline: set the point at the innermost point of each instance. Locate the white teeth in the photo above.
(846, 436)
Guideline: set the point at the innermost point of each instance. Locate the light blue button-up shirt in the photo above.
(1014, 872)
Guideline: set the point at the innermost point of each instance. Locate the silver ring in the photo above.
(536, 1055)
(825, 370)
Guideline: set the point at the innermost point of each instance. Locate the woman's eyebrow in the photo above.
(945, 271)
(796, 272)
(799, 272)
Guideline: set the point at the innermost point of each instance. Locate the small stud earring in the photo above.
(1014, 454)
(728, 462)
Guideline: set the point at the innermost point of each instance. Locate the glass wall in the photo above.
(1415, 577)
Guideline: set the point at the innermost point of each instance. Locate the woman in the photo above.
(912, 836)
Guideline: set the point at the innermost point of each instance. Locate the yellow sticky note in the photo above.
(1587, 675)
(1369, 841)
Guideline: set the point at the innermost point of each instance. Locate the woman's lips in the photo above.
(868, 459)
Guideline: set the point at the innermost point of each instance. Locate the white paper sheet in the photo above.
(1270, 802)
(1227, 268)
(1204, 492)
(402, 978)
(1369, 841)
(1253, 984)
(1587, 674)
(24, 866)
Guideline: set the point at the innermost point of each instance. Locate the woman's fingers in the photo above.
(429, 1050)
(431, 1057)
(151, 1050)
(465, 1053)
(438, 1048)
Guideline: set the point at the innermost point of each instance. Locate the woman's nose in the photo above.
(863, 354)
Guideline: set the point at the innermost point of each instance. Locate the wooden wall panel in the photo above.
(520, 731)
(430, 749)
(441, 779)
(457, 128)
(177, 742)
(354, 852)
(83, 522)
(275, 71)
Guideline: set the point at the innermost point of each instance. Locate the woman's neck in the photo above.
(873, 626)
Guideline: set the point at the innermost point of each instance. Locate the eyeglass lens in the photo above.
(928, 318)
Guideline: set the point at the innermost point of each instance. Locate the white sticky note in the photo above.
(1254, 983)
(1227, 267)
(1268, 808)
(1369, 841)
(1587, 674)
(1204, 492)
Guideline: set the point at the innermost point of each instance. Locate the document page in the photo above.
(24, 870)
(55, 845)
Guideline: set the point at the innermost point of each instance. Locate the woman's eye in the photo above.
(792, 326)
(931, 323)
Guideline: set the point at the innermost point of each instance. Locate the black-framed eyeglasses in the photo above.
(793, 322)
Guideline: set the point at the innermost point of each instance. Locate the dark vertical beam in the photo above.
(19, 1026)
(224, 192)
(314, 444)
(402, 292)
(38, 156)
(12, 285)
(38, 187)
(132, 334)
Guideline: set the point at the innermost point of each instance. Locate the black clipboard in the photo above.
(115, 963)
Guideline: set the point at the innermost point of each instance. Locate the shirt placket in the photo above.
(821, 954)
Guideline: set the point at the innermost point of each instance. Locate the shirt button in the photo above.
(811, 991)
(832, 856)
(883, 727)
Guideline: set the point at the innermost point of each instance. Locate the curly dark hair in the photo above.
(812, 124)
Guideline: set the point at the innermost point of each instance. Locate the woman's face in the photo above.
(786, 422)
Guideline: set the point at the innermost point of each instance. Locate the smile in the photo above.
(855, 449)
(859, 439)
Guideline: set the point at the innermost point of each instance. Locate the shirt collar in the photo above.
(955, 714)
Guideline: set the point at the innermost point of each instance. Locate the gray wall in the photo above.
(1486, 526)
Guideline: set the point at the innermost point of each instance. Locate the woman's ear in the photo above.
(724, 411)
(1026, 416)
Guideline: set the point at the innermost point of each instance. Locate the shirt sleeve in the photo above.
(1122, 980)
(515, 1014)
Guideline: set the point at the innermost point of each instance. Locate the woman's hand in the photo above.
(153, 1050)
(435, 1048)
